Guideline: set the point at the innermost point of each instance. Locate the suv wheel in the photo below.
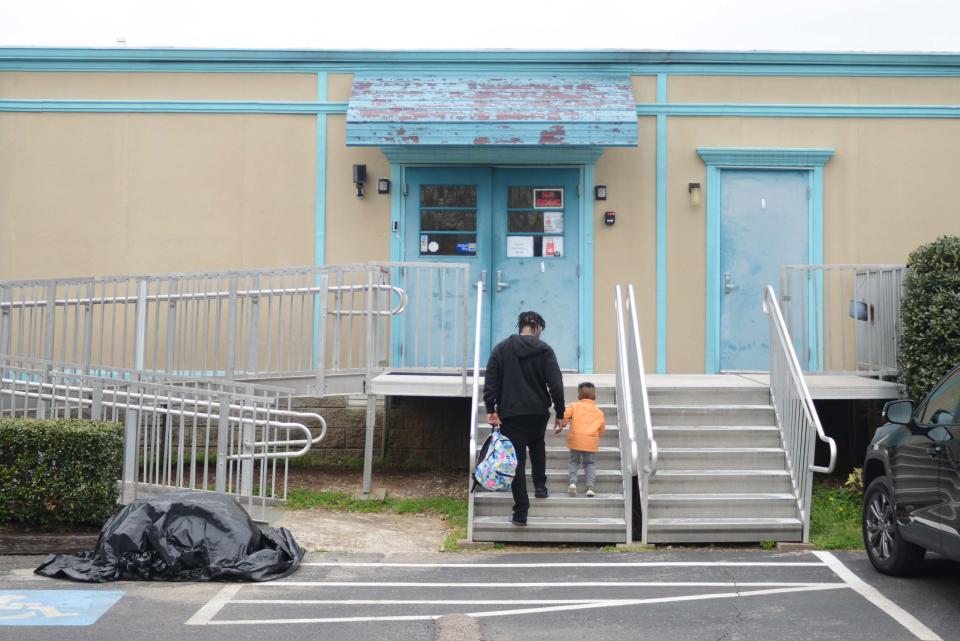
(888, 551)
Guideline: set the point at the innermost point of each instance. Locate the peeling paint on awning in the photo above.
(502, 110)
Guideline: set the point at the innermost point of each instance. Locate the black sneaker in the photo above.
(541, 493)
(518, 521)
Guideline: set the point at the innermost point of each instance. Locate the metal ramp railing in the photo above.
(638, 446)
(198, 434)
(797, 417)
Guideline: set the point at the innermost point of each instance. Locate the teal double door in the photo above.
(518, 229)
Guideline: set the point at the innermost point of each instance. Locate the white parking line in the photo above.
(559, 608)
(638, 564)
(872, 595)
(544, 584)
(214, 605)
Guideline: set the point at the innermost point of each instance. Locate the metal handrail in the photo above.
(638, 447)
(475, 408)
(796, 414)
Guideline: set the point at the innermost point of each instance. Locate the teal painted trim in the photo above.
(712, 339)
(721, 158)
(320, 212)
(397, 180)
(815, 359)
(730, 157)
(661, 232)
(173, 106)
(799, 111)
(480, 155)
(291, 57)
(587, 293)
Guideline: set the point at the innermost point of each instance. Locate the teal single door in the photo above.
(764, 224)
(536, 218)
(518, 229)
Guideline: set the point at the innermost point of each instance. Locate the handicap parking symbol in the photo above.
(55, 607)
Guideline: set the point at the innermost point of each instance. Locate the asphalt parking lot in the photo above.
(663, 595)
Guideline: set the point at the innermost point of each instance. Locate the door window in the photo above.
(942, 407)
(448, 220)
(535, 222)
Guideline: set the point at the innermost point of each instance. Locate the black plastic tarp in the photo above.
(181, 536)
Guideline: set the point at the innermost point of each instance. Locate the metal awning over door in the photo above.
(492, 110)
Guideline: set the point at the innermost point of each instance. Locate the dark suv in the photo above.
(912, 476)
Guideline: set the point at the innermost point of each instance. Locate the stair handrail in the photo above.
(649, 453)
(475, 407)
(796, 414)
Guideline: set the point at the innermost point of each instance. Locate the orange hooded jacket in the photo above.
(586, 425)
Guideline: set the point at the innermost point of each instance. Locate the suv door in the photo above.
(941, 415)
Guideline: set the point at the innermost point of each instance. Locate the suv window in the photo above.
(942, 407)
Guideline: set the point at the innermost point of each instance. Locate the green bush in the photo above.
(930, 343)
(58, 472)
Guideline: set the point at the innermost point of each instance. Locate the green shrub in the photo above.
(58, 472)
(930, 343)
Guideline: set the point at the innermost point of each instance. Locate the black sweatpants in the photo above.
(527, 432)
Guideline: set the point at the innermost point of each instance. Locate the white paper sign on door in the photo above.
(553, 246)
(553, 222)
(519, 246)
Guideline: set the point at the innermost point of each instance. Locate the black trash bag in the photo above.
(181, 536)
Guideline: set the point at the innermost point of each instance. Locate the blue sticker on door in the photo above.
(55, 607)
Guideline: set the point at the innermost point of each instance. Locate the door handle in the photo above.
(500, 284)
(483, 279)
(933, 451)
(728, 285)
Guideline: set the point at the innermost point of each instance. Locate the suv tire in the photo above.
(888, 551)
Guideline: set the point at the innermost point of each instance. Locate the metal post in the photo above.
(88, 328)
(247, 438)
(253, 356)
(321, 334)
(5, 336)
(223, 437)
(50, 322)
(368, 443)
(140, 335)
(231, 324)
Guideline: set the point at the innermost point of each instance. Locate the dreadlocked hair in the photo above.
(531, 319)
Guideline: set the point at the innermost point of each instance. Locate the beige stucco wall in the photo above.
(644, 88)
(158, 86)
(339, 86)
(358, 229)
(96, 194)
(626, 252)
(886, 191)
(814, 90)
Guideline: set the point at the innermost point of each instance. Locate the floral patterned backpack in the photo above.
(496, 464)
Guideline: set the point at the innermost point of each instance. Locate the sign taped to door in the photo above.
(553, 246)
(547, 198)
(553, 222)
(519, 246)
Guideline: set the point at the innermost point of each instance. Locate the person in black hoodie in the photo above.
(521, 379)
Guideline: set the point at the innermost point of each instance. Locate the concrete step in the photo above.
(558, 505)
(721, 458)
(720, 482)
(543, 529)
(717, 436)
(723, 530)
(609, 411)
(719, 415)
(609, 438)
(608, 458)
(714, 505)
(607, 482)
(752, 395)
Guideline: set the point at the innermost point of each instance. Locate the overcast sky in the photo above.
(819, 25)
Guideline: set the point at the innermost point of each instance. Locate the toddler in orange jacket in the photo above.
(586, 425)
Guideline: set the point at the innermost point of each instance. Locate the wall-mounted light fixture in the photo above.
(359, 178)
(383, 186)
(600, 192)
(696, 195)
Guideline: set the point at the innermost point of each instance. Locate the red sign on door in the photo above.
(543, 198)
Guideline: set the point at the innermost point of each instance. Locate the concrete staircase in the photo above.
(562, 518)
(722, 474)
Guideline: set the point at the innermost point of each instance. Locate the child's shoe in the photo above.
(572, 489)
(590, 492)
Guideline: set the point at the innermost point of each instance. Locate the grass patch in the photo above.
(835, 518)
(355, 464)
(453, 510)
